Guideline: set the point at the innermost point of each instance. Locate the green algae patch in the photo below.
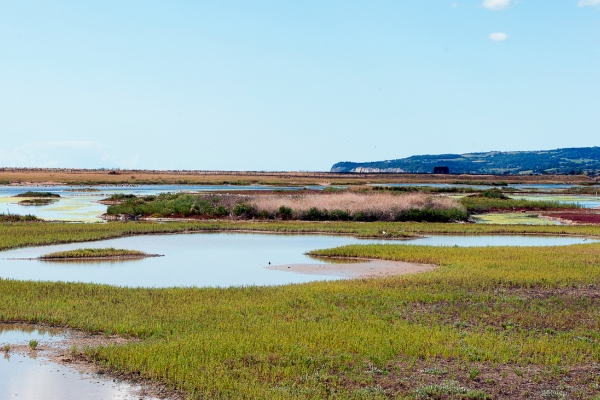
(513, 219)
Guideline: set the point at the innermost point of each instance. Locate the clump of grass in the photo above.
(121, 196)
(18, 218)
(38, 194)
(93, 253)
(6, 348)
(36, 202)
(449, 388)
(33, 344)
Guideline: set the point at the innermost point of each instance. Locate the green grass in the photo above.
(499, 306)
(477, 204)
(93, 253)
(320, 339)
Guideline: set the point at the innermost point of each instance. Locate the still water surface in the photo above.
(217, 259)
(32, 376)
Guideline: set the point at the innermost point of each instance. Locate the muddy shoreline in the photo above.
(61, 352)
(361, 268)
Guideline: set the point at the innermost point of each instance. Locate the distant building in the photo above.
(441, 170)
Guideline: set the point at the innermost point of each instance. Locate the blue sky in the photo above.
(289, 85)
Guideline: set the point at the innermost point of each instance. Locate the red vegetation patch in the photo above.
(578, 217)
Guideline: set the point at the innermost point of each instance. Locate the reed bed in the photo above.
(313, 207)
(377, 203)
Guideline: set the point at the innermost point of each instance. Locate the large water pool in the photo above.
(217, 259)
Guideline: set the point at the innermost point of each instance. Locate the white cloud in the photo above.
(65, 154)
(454, 5)
(583, 3)
(500, 4)
(498, 36)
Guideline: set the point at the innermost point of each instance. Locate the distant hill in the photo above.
(559, 161)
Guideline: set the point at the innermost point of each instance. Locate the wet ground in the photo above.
(35, 374)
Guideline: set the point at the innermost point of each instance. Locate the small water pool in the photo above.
(218, 259)
(32, 375)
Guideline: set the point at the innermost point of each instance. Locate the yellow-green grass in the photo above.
(504, 306)
(513, 219)
(93, 253)
(20, 234)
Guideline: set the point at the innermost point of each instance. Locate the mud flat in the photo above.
(357, 268)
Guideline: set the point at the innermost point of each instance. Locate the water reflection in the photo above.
(217, 259)
(33, 375)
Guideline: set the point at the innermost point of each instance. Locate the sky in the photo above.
(292, 85)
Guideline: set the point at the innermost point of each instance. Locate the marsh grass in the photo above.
(36, 202)
(516, 307)
(93, 253)
(18, 218)
(496, 201)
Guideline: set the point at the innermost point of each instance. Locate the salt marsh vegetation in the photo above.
(483, 310)
(94, 253)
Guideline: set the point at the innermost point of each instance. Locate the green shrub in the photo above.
(314, 214)
(244, 210)
(285, 212)
(431, 215)
(38, 194)
(494, 194)
(221, 211)
(340, 215)
(265, 214)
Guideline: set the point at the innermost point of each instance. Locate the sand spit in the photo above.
(357, 268)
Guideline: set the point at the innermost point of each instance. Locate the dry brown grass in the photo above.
(354, 202)
(82, 176)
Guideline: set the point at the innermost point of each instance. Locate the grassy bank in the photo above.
(488, 321)
(495, 200)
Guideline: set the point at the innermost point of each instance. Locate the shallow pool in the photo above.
(217, 259)
(32, 375)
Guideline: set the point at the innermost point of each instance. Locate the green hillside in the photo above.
(584, 160)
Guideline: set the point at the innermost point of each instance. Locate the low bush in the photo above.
(244, 210)
(285, 212)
